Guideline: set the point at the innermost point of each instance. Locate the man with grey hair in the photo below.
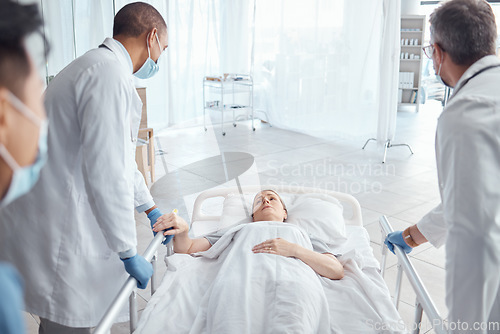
(462, 48)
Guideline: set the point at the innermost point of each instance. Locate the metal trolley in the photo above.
(226, 89)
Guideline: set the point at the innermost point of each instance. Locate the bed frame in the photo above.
(352, 216)
(423, 301)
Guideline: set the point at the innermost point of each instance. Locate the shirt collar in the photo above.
(121, 53)
(482, 63)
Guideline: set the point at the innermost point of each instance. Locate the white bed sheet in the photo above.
(359, 303)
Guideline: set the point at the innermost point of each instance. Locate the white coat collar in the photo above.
(121, 53)
(479, 65)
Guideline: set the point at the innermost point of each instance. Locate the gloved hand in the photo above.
(140, 269)
(396, 238)
(12, 301)
(153, 216)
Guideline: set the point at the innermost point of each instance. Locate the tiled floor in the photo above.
(190, 161)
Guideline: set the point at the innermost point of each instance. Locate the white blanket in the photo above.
(229, 289)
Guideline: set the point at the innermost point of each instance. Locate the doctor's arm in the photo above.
(97, 114)
(144, 202)
(324, 264)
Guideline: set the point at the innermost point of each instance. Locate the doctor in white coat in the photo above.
(63, 237)
(463, 45)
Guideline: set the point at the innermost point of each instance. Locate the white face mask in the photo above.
(24, 178)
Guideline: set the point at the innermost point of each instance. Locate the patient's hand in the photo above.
(171, 220)
(276, 246)
(324, 264)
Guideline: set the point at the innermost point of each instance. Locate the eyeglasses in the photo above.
(428, 50)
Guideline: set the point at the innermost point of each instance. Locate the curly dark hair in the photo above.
(17, 21)
(136, 18)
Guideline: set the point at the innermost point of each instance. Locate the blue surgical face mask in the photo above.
(440, 78)
(438, 74)
(149, 68)
(24, 178)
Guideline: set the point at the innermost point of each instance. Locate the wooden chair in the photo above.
(145, 153)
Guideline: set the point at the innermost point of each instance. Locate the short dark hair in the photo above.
(17, 21)
(465, 29)
(136, 18)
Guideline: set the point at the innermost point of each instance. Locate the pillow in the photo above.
(320, 215)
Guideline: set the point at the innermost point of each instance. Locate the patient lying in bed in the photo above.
(270, 276)
(267, 206)
(260, 277)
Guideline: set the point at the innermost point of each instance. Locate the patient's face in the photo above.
(267, 206)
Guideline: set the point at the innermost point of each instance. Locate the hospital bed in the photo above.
(357, 257)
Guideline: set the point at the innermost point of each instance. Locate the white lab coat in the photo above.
(468, 218)
(64, 235)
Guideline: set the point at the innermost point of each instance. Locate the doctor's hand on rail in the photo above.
(408, 239)
(153, 216)
(396, 238)
(140, 269)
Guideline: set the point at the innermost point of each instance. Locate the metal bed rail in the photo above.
(128, 290)
(423, 301)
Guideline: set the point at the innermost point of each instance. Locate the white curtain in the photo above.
(236, 36)
(206, 37)
(58, 21)
(318, 66)
(193, 52)
(72, 28)
(389, 71)
(93, 20)
(322, 67)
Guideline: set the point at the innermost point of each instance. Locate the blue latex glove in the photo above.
(396, 238)
(11, 302)
(140, 269)
(153, 216)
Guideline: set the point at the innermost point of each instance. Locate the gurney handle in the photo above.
(127, 288)
(423, 297)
